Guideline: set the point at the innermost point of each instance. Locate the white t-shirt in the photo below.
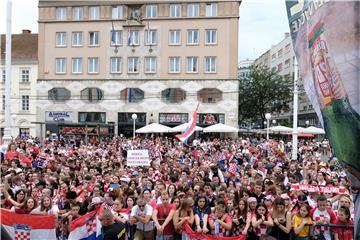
(148, 210)
(324, 230)
(53, 211)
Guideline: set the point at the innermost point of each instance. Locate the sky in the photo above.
(262, 23)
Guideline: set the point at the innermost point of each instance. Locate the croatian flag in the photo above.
(184, 137)
(27, 227)
(87, 227)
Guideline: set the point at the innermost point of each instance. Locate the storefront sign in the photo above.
(59, 116)
(210, 118)
(173, 117)
(137, 158)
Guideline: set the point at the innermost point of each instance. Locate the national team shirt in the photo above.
(344, 233)
(327, 214)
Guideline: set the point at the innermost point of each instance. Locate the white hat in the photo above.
(96, 200)
(125, 179)
(30, 141)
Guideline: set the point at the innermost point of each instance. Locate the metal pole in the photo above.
(295, 114)
(134, 128)
(267, 128)
(7, 129)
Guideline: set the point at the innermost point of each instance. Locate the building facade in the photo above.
(24, 70)
(102, 61)
(244, 68)
(281, 58)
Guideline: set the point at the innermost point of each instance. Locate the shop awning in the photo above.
(153, 128)
(220, 128)
(183, 127)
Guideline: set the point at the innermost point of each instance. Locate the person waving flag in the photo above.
(184, 137)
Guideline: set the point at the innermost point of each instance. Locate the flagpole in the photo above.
(295, 114)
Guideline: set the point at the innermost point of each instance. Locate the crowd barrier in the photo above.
(191, 235)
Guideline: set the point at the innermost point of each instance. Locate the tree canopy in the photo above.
(261, 92)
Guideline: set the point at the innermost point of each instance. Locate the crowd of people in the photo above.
(220, 187)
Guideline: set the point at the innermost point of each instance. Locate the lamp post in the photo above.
(295, 114)
(307, 122)
(274, 122)
(13, 123)
(134, 117)
(267, 116)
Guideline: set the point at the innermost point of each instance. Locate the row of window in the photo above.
(280, 52)
(25, 103)
(133, 65)
(151, 11)
(134, 95)
(133, 38)
(24, 75)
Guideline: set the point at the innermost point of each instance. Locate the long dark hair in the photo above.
(258, 216)
(242, 212)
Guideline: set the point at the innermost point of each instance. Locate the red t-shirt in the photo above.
(162, 215)
(26, 160)
(344, 233)
(11, 155)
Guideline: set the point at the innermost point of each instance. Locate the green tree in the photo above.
(262, 92)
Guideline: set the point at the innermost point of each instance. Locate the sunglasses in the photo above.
(141, 205)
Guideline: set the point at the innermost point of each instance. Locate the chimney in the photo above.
(287, 34)
(26, 31)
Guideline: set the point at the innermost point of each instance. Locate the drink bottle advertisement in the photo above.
(326, 40)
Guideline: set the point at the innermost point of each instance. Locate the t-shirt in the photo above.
(305, 232)
(162, 215)
(344, 233)
(317, 215)
(116, 231)
(148, 210)
(221, 232)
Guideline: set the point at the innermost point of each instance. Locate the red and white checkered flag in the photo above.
(232, 168)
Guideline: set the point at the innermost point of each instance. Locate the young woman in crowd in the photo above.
(201, 214)
(184, 214)
(302, 222)
(282, 220)
(261, 221)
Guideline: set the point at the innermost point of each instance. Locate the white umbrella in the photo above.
(153, 128)
(182, 128)
(220, 128)
(280, 129)
(314, 130)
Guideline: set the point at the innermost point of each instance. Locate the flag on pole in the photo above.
(184, 137)
(28, 227)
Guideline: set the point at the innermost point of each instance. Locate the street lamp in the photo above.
(134, 117)
(267, 116)
(307, 122)
(273, 121)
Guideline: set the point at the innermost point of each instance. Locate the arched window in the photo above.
(59, 94)
(173, 95)
(92, 94)
(209, 95)
(132, 95)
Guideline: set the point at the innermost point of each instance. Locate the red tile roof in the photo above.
(24, 48)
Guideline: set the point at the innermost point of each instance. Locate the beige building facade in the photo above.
(102, 61)
(24, 70)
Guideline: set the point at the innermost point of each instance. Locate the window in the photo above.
(174, 64)
(133, 65)
(78, 13)
(61, 39)
(174, 37)
(132, 95)
(116, 38)
(210, 36)
(25, 102)
(210, 64)
(59, 94)
(173, 95)
(77, 39)
(3, 103)
(93, 65)
(193, 10)
(287, 48)
(94, 13)
(193, 37)
(115, 65)
(279, 67)
(209, 95)
(134, 38)
(192, 64)
(175, 10)
(94, 117)
(25, 75)
(117, 12)
(91, 94)
(273, 56)
(93, 38)
(150, 37)
(151, 11)
(279, 53)
(60, 65)
(77, 65)
(211, 9)
(150, 64)
(287, 63)
(61, 13)
(3, 75)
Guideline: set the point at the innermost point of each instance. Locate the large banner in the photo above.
(325, 38)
